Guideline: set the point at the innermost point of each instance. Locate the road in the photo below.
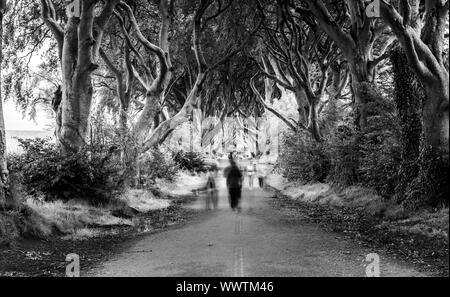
(258, 242)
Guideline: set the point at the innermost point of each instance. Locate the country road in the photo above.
(258, 242)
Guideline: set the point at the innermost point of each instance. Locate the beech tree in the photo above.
(78, 40)
(362, 40)
(155, 86)
(227, 95)
(203, 69)
(298, 57)
(422, 38)
(4, 173)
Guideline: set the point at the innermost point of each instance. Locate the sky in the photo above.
(15, 121)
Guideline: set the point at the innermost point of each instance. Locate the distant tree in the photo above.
(200, 26)
(298, 57)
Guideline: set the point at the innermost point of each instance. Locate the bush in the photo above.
(191, 161)
(93, 174)
(157, 164)
(303, 159)
(343, 151)
(348, 156)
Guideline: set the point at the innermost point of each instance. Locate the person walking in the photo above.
(261, 175)
(251, 170)
(212, 196)
(234, 178)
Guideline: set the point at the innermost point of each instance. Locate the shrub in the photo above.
(157, 164)
(343, 151)
(191, 161)
(380, 149)
(303, 159)
(92, 174)
(379, 166)
(348, 156)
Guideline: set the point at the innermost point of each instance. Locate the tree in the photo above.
(155, 86)
(409, 97)
(361, 39)
(422, 39)
(203, 69)
(4, 174)
(227, 95)
(78, 41)
(299, 58)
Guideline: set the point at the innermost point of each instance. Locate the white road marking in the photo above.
(238, 253)
(238, 225)
(238, 262)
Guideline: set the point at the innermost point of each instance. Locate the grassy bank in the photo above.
(36, 236)
(420, 236)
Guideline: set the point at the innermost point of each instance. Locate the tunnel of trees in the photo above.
(371, 91)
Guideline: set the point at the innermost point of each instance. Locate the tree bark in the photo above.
(356, 46)
(313, 121)
(181, 117)
(78, 43)
(4, 173)
(409, 97)
(166, 127)
(424, 52)
(155, 87)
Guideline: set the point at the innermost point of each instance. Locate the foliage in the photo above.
(93, 174)
(430, 187)
(380, 148)
(349, 156)
(379, 166)
(342, 148)
(303, 159)
(157, 164)
(191, 161)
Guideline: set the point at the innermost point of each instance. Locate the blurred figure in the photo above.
(261, 175)
(234, 184)
(251, 170)
(212, 196)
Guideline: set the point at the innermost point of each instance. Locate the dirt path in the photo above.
(259, 242)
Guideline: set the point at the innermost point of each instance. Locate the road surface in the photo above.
(258, 242)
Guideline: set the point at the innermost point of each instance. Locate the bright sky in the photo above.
(15, 121)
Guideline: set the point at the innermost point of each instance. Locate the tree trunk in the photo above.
(424, 51)
(77, 90)
(146, 118)
(362, 82)
(431, 185)
(4, 174)
(409, 98)
(75, 112)
(123, 128)
(435, 116)
(313, 121)
(181, 117)
(78, 47)
(209, 135)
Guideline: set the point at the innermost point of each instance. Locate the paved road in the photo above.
(260, 241)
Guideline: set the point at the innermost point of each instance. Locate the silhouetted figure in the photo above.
(212, 195)
(251, 171)
(234, 184)
(261, 175)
